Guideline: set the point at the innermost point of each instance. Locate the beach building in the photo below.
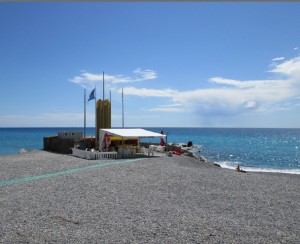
(107, 143)
(124, 140)
(74, 135)
(63, 142)
(119, 143)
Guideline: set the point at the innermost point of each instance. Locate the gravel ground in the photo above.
(154, 200)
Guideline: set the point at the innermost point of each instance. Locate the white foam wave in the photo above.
(233, 165)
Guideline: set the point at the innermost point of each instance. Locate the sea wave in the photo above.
(233, 165)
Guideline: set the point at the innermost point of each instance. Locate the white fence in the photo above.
(125, 153)
(93, 155)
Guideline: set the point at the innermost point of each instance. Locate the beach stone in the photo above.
(190, 144)
(54, 198)
(23, 150)
(189, 154)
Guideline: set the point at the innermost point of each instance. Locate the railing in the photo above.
(107, 155)
(94, 155)
(125, 153)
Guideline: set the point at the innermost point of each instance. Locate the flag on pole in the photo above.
(92, 95)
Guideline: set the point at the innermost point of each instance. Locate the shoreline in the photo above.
(224, 165)
(263, 170)
(175, 199)
(188, 153)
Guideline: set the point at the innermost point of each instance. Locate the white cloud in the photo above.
(241, 84)
(278, 59)
(146, 74)
(236, 97)
(144, 92)
(214, 101)
(222, 81)
(296, 48)
(228, 97)
(290, 68)
(164, 109)
(250, 104)
(175, 107)
(89, 80)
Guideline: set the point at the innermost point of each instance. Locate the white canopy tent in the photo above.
(128, 133)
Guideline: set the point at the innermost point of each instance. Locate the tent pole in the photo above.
(84, 119)
(166, 147)
(122, 147)
(122, 109)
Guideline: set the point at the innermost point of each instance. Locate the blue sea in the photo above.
(262, 150)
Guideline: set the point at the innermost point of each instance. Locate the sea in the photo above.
(258, 150)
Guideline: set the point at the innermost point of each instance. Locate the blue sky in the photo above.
(180, 64)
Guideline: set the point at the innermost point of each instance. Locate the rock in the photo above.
(187, 153)
(189, 144)
(23, 150)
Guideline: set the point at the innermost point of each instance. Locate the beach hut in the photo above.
(106, 136)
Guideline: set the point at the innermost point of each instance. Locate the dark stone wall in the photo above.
(60, 145)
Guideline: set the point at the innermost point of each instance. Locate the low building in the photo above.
(63, 142)
(75, 135)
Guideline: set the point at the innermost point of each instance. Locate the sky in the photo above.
(180, 64)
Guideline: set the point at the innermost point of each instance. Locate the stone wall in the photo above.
(60, 145)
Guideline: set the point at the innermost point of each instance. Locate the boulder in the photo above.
(189, 144)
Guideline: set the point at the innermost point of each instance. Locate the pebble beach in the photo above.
(55, 198)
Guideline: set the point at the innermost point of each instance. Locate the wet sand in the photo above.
(47, 198)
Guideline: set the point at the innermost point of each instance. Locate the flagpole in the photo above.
(122, 109)
(103, 102)
(84, 131)
(95, 117)
(122, 122)
(103, 85)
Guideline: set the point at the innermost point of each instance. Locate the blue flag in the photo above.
(92, 95)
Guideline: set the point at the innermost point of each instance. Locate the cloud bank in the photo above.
(226, 97)
(89, 80)
(230, 96)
